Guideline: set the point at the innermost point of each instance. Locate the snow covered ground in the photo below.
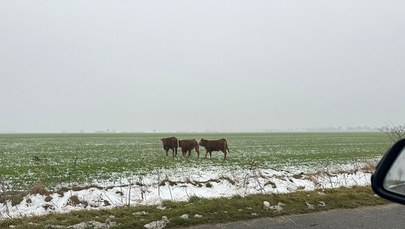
(182, 183)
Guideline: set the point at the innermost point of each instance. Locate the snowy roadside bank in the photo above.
(182, 183)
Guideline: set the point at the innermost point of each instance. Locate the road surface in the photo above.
(384, 216)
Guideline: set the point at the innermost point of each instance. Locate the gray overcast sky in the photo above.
(195, 65)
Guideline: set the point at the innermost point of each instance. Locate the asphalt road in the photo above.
(384, 216)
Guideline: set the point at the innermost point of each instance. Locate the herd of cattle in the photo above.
(189, 144)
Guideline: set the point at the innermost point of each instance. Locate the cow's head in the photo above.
(202, 141)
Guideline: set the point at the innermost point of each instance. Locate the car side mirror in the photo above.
(388, 180)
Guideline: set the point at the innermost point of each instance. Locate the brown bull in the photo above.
(214, 145)
(170, 143)
(188, 145)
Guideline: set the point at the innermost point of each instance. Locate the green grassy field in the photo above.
(66, 158)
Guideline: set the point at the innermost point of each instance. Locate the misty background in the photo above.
(189, 65)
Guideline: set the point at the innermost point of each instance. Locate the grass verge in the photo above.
(218, 210)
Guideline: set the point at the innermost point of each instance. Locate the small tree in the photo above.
(393, 131)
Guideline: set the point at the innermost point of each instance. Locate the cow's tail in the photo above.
(226, 144)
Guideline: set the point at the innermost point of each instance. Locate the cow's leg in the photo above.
(189, 153)
(224, 151)
(206, 153)
(167, 152)
(210, 154)
(198, 153)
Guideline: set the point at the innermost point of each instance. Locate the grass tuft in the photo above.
(38, 189)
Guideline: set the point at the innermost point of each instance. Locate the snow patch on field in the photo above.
(181, 184)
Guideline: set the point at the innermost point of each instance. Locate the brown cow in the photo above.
(188, 145)
(214, 145)
(170, 143)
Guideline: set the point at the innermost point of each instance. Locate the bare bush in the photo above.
(393, 131)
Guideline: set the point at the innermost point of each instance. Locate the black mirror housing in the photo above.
(382, 169)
